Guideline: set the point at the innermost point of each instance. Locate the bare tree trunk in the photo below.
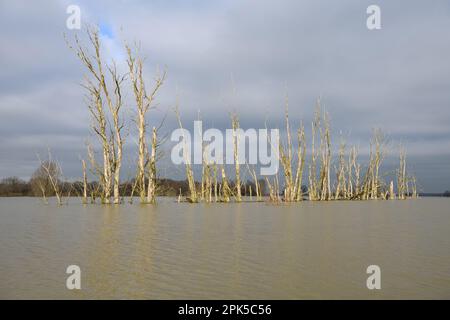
(301, 153)
(357, 168)
(414, 187)
(210, 184)
(277, 189)
(140, 177)
(313, 189)
(83, 163)
(391, 191)
(351, 160)
(286, 161)
(118, 126)
(401, 175)
(151, 190)
(225, 187)
(257, 188)
(207, 186)
(215, 182)
(340, 188)
(203, 186)
(235, 126)
(100, 128)
(325, 150)
(189, 172)
(44, 197)
(272, 196)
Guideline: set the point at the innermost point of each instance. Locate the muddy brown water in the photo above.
(305, 250)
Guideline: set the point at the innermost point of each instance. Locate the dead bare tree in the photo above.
(114, 108)
(325, 165)
(215, 182)
(83, 165)
(313, 184)
(226, 191)
(99, 126)
(413, 187)
(301, 155)
(254, 176)
(371, 188)
(391, 191)
(53, 172)
(144, 102)
(236, 136)
(379, 141)
(401, 175)
(285, 157)
(189, 173)
(340, 174)
(351, 166)
(99, 89)
(151, 189)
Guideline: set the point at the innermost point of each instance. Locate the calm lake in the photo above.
(225, 251)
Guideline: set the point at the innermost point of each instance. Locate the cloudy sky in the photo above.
(243, 56)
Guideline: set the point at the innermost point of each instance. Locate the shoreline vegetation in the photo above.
(15, 187)
(328, 176)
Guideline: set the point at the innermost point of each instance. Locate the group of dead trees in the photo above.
(215, 185)
(105, 86)
(350, 181)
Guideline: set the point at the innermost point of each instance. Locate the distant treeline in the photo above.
(16, 187)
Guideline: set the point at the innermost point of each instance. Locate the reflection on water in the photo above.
(248, 250)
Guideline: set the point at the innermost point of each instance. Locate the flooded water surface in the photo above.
(225, 251)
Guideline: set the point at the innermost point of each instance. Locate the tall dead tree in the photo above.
(371, 188)
(379, 141)
(301, 153)
(236, 136)
(313, 184)
(351, 167)
(285, 157)
(144, 102)
(114, 107)
(401, 176)
(340, 174)
(189, 172)
(99, 126)
(325, 166)
(293, 186)
(100, 89)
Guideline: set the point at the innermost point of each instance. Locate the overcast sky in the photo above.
(396, 78)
